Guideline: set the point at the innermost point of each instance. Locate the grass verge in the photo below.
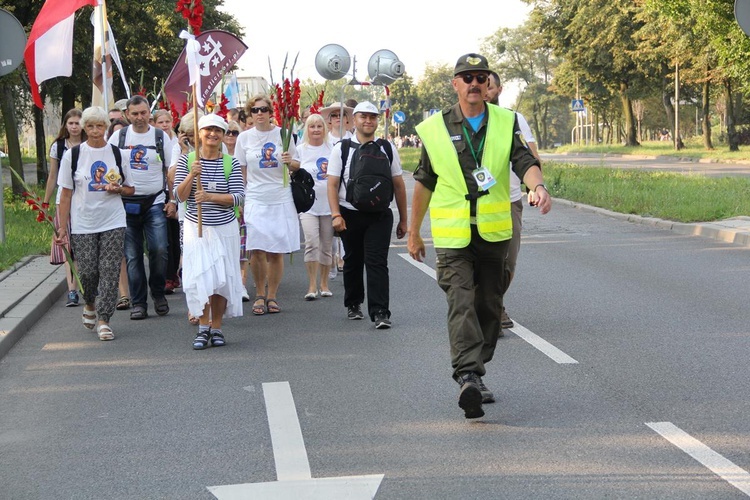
(671, 196)
(23, 234)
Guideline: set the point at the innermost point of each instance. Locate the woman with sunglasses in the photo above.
(270, 215)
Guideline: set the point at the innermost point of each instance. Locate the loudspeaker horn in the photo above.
(332, 62)
(384, 67)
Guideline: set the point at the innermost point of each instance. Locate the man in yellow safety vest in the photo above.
(463, 178)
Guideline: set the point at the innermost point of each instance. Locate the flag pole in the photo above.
(103, 41)
(199, 187)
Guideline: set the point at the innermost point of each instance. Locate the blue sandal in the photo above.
(201, 340)
(217, 339)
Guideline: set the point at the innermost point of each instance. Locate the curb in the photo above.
(720, 231)
(19, 316)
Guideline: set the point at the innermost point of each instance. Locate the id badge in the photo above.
(484, 178)
(211, 186)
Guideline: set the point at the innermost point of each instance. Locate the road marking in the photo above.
(533, 339)
(292, 467)
(722, 467)
(545, 347)
(419, 265)
(289, 451)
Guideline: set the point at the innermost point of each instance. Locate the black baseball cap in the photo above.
(471, 62)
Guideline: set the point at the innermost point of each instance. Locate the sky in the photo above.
(412, 30)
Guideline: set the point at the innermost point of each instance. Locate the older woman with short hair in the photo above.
(270, 215)
(91, 201)
(313, 155)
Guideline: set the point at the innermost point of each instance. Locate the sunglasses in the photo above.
(468, 78)
(233, 133)
(266, 109)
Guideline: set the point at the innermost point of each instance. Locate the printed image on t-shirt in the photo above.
(322, 164)
(98, 182)
(138, 160)
(267, 159)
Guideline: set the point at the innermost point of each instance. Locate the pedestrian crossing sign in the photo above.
(577, 105)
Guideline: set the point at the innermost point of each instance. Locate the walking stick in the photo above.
(199, 187)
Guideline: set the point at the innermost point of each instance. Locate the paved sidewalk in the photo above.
(27, 291)
(32, 286)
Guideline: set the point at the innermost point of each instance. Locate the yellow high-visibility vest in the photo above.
(449, 208)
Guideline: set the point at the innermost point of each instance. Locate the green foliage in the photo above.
(23, 235)
(670, 196)
(435, 89)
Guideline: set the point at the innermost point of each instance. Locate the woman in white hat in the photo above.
(211, 264)
(336, 129)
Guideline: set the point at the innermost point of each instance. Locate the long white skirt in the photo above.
(211, 266)
(272, 228)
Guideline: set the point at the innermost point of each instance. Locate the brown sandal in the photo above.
(273, 306)
(259, 309)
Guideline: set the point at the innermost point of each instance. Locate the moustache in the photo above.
(475, 90)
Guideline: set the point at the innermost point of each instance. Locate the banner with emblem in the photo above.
(219, 51)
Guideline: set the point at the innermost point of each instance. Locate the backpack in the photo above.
(303, 191)
(370, 184)
(158, 139)
(227, 159)
(75, 153)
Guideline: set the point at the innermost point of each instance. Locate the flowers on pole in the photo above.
(285, 99)
(316, 106)
(192, 10)
(43, 215)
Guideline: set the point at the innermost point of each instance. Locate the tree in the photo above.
(523, 55)
(597, 39)
(404, 98)
(435, 89)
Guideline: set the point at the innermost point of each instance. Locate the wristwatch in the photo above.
(542, 185)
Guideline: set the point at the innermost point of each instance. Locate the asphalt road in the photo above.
(638, 392)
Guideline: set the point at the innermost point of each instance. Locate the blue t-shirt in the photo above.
(476, 121)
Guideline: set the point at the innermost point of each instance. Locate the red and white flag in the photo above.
(49, 50)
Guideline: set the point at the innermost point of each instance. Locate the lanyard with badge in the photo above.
(482, 175)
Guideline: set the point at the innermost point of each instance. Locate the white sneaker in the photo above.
(245, 296)
(332, 273)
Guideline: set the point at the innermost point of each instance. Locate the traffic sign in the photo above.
(399, 117)
(577, 105)
(433, 111)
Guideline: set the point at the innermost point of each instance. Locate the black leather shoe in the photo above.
(470, 397)
(487, 396)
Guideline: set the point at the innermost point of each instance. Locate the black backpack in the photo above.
(303, 191)
(370, 185)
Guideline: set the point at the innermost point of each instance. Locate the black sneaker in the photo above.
(470, 397)
(355, 312)
(487, 396)
(201, 340)
(382, 322)
(72, 299)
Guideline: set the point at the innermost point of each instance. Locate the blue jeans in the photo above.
(153, 223)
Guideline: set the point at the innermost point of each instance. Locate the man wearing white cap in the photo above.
(366, 230)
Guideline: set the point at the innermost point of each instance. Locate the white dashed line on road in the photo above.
(722, 467)
(533, 339)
